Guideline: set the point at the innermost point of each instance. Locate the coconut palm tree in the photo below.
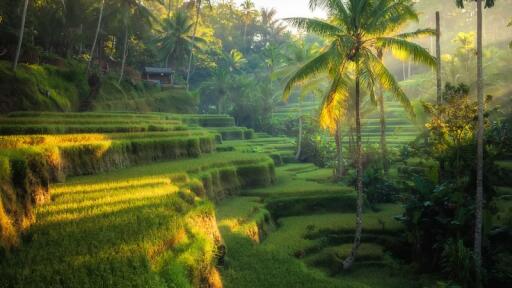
(399, 21)
(98, 28)
(248, 13)
(272, 27)
(479, 201)
(176, 41)
(197, 4)
(356, 30)
(20, 37)
(300, 55)
(131, 13)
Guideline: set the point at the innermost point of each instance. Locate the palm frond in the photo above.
(387, 81)
(314, 26)
(404, 49)
(416, 34)
(335, 103)
(390, 18)
(316, 65)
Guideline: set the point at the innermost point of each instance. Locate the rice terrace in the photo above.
(256, 143)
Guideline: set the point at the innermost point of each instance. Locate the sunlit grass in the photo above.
(136, 227)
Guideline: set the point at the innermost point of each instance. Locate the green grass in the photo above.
(124, 233)
(272, 263)
(504, 164)
(287, 186)
(296, 227)
(139, 227)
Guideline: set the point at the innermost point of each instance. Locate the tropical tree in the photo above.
(175, 41)
(271, 26)
(301, 54)
(20, 36)
(479, 202)
(357, 29)
(396, 24)
(248, 13)
(221, 84)
(132, 13)
(98, 28)
(197, 4)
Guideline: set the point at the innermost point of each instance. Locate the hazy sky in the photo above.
(288, 8)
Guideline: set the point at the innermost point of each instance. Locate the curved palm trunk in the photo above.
(125, 52)
(20, 39)
(480, 150)
(339, 153)
(245, 37)
(198, 10)
(383, 148)
(299, 140)
(349, 261)
(438, 56)
(96, 35)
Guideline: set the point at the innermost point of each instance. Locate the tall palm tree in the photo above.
(221, 83)
(98, 28)
(396, 23)
(248, 12)
(175, 41)
(358, 28)
(20, 37)
(132, 13)
(197, 5)
(300, 55)
(272, 27)
(479, 201)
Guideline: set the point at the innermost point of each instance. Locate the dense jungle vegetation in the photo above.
(255, 143)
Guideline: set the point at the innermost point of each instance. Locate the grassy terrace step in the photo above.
(119, 115)
(146, 226)
(281, 149)
(286, 186)
(29, 163)
(15, 129)
(233, 133)
(86, 121)
(18, 141)
(507, 165)
(205, 120)
(107, 118)
(274, 263)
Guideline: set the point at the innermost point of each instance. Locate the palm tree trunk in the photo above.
(438, 58)
(383, 148)
(96, 35)
(125, 52)
(409, 70)
(198, 10)
(299, 140)
(480, 150)
(403, 70)
(20, 38)
(349, 261)
(245, 37)
(339, 152)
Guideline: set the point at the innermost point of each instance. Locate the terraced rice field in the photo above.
(312, 233)
(400, 130)
(141, 216)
